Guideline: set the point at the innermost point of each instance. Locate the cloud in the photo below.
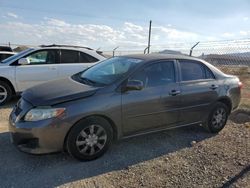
(56, 22)
(246, 18)
(228, 35)
(12, 15)
(244, 33)
(129, 36)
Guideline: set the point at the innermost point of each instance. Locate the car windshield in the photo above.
(16, 56)
(108, 71)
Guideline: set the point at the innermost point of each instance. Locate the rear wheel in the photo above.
(217, 118)
(5, 92)
(89, 138)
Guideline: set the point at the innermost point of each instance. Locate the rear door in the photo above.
(43, 67)
(199, 90)
(73, 61)
(154, 106)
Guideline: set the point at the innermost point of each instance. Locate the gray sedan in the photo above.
(119, 98)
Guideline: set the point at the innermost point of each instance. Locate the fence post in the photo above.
(149, 35)
(115, 50)
(145, 50)
(191, 50)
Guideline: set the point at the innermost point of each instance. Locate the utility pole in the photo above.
(149, 35)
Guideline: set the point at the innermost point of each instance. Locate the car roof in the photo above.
(156, 56)
(64, 48)
(7, 52)
(95, 53)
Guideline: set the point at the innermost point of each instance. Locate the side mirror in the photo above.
(23, 61)
(134, 85)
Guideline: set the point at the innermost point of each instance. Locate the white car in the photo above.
(38, 65)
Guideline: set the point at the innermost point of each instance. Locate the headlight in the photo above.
(37, 114)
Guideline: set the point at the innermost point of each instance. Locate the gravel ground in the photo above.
(184, 157)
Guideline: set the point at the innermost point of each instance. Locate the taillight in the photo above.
(240, 85)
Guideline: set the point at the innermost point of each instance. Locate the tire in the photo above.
(90, 138)
(217, 118)
(5, 92)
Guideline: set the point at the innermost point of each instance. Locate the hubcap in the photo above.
(3, 94)
(91, 140)
(219, 118)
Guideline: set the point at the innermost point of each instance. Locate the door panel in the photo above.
(153, 106)
(31, 75)
(196, 100)
(197, 93)
(42, 68)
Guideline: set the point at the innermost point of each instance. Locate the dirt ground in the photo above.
(184, 157)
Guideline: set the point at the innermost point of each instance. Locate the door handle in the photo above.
(213, 87)
(174, 92)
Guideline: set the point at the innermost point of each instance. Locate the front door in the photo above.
(154, 106)
(42, 68)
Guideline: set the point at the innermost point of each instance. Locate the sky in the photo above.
(107, 24)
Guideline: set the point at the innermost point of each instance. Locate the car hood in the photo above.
(58, 91)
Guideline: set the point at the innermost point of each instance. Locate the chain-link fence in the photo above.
(232, 57)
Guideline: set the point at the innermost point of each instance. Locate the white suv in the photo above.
(38, 65)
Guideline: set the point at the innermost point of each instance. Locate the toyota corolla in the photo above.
(119, 98)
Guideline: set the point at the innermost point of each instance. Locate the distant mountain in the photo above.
(20, 48)
(228, 59)
(169, 52)
(244, 54)
(233, 55)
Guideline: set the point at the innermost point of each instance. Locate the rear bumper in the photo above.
(40, 137)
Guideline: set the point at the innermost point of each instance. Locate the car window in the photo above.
(108, 71)
(4, 56)
(17, 56)
(42, 57)
(208, 72)
(69, 56)
(86, 58)
(156, 74)
(191, 70)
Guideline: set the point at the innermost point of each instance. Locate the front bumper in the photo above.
(41, 137)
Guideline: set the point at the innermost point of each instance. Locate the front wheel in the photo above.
(89, 138)
(217, 118)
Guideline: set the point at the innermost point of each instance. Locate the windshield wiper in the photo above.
(92, 82)
(88, 81)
